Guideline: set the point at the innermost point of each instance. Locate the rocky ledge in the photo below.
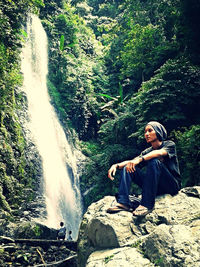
(169, 236)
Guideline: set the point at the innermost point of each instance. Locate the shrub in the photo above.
(188, 147)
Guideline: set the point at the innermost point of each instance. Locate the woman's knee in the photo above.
(126, 175)
(124, 172)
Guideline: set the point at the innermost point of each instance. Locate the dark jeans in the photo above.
(157, 180)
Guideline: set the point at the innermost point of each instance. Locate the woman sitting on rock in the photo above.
(161, 176)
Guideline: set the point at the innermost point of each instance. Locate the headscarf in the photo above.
(159, 129)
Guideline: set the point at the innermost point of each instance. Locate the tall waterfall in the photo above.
(61, 187)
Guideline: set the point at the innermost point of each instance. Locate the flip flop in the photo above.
(141, 211)
(117, 208)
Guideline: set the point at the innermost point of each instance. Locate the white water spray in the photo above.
(63, 200)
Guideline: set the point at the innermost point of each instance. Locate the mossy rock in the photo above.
(33, 230)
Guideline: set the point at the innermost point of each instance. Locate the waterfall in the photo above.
(61, 187)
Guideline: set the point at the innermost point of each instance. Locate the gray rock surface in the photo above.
(168, 236)
(119, 257)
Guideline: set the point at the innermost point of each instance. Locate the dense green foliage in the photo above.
(75, 69)
(14, 172)
(153, 52)
(113, 66)
(188, 143)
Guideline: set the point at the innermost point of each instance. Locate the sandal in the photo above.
(141, 211)
(119, 207)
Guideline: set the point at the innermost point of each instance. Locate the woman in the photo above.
(162, 175)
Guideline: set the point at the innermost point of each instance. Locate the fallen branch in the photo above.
(71, 245)
(41, 257)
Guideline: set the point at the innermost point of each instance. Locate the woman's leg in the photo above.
(158, 180)
(167, 183)
(125, 184)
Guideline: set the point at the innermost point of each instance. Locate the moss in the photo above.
(3, 203)
(15, 171)
(136, 244)
(25, 230)
(37, 231)
(159, 261)
(108, 258)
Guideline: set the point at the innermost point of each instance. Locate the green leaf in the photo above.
(24, 33)
(62, 40)
(39, 3)
(105, 95)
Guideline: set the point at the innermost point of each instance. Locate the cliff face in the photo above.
(169, 236)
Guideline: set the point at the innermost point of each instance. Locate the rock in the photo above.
(173, 228)
(175, 245)
(27, 229)
(26, 213)
(127, 256)
(34, 230)
(102, 230)
(192, 191)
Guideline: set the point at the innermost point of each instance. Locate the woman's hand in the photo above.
(130, 166)
(112, 171)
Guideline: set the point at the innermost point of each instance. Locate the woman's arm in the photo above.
(130, 167)
(130, 164)
(155, 154)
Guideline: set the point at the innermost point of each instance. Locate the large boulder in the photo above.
(168, 236)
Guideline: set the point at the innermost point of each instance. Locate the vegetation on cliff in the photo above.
(16, 172)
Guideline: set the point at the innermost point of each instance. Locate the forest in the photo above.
(113, 66)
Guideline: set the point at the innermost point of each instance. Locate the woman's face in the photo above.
(150, 134)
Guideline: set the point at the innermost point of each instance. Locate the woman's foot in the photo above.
(119, 207)
(141, 211)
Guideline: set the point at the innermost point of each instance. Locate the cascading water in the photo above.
(61, 188)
